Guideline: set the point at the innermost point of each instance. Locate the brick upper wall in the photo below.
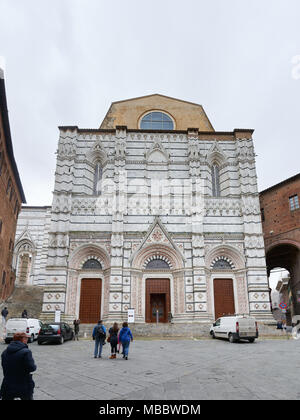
(278, 216)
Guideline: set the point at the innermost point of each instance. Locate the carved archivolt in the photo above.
(222, 258)
(91, 257)
(231, 254)
(84, 252)
(216, 155)
(97, 154)
(161, 251)
(158, 257)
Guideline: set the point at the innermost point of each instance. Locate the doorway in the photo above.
(223, 297)
(157, 299)
(90, 301)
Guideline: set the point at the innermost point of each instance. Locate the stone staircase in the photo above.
(24, 297)
(171, 330)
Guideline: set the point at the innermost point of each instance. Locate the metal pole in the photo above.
(157, 316)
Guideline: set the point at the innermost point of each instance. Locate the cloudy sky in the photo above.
(65, 61)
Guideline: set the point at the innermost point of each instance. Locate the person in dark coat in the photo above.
(76, 324)
(4, 314)
(17, 363)
(113, 336)
(99, 335)
(24, 314)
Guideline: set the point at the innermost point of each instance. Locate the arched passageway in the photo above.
(287, 256)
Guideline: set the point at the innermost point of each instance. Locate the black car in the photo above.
(55, 332)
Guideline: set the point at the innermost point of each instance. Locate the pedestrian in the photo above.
(17, 363)
(24, 314)
(4, 314)
(119, 344)
(113, 339)
(99, 335)
(125, 337)
(76, 323)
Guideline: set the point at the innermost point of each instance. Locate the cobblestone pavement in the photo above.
(169, 369)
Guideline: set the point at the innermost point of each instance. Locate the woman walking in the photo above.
(125, 337)
(113, 339)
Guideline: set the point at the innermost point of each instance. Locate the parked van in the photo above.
(235, 328)
(29, 326)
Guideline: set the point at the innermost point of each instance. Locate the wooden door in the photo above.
(90, 301)
(157, 297)
(224, 297)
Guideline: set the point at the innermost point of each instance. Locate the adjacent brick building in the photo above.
(280, 209)
(11, 197)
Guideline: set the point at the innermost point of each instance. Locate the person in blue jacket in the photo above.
(125, 336)
(17, 363)
(99, 335)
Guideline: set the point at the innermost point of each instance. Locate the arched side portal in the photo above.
(88, 283)
(227, 282)
(287, 255)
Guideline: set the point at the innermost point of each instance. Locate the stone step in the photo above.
(188, 330)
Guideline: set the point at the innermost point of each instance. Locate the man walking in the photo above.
(76, 323)
(4, 314)
(17, 363)
(99, 335)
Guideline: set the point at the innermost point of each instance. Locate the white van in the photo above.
(235, 328)
(29, 326)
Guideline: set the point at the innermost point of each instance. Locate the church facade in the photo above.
(154, 211)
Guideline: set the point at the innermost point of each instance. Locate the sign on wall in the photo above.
(57, 316)
(130, 315)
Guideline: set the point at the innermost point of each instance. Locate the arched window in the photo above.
(156, 121)
(97, 179)
(222, 263)
(92, 264)
(157, 264)
(24, 260)
(215, 178)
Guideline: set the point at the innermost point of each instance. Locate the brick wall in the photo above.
(10, 204)
(280, 223)
(281, 228)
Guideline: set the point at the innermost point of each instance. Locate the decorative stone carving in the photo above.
(250, 205)
(222, 207)
(193, 150)
(120, 149)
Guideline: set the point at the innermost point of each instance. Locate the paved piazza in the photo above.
(169, 369)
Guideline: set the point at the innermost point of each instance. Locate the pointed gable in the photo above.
(25, 235)
(157, 234)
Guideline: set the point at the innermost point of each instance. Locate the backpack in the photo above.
(100, 332)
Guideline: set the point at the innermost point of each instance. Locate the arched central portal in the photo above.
(158, 302)
(90, 301)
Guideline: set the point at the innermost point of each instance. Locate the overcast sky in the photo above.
(66, 61)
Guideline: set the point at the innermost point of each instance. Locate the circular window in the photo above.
(156, 121)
